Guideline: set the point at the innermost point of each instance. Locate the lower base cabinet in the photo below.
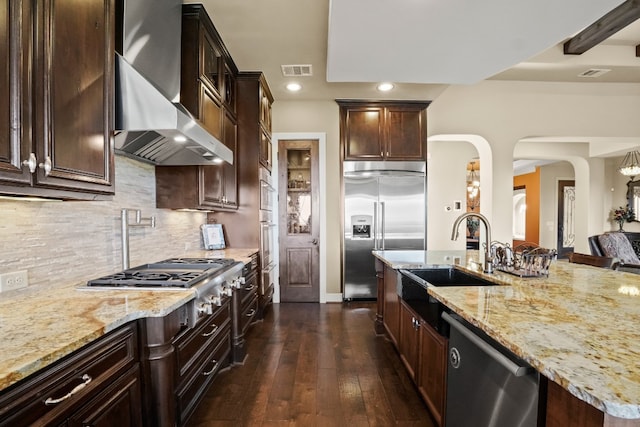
(200, 353)
(432, 370)
(98, 385)
(424, 354)
(118, 405)
(409, 340)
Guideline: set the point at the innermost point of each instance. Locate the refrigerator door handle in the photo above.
(375, 226)
(382, 224)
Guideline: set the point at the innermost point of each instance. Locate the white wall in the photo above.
(446, 183)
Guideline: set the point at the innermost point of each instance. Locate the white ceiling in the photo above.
(420, 45)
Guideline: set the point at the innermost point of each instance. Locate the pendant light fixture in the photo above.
(473, 187)
(630, 165)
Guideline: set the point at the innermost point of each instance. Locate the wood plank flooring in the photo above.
(315, 365)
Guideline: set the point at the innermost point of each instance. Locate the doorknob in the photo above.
(314, 241)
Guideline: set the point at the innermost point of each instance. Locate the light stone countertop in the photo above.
(40, 325)
(579, 327)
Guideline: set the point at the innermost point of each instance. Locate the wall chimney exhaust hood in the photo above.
(151, 124)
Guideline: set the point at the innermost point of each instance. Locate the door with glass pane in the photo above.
(566, 216)
(299, 227)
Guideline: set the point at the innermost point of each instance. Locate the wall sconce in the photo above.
(473, 188)
(630, 165)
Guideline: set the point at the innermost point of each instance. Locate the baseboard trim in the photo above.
(333, 297)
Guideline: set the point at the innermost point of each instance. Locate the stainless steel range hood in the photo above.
(150, 122)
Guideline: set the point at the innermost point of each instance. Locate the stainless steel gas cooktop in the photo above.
(173, 272)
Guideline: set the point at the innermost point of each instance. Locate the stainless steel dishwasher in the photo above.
(487, 386)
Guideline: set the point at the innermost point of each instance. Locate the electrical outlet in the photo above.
(12, 281)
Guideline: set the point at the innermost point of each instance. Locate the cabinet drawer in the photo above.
(70, 383)
(248, 290)
(248, 314)
(118, 404)
(211, 361)
(190, 345)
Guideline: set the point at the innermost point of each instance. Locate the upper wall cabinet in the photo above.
(61, 143)
(383, 130)
(208, 90)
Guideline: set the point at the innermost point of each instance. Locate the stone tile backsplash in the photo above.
(77, 241)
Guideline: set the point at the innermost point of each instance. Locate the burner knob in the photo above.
(227, 291)
(242, 281)
(215, 300)
(205, 308)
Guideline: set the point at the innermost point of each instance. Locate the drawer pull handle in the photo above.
(213, 331)
(215, 366)
(251, 313)
(250, 288)
(51, 401)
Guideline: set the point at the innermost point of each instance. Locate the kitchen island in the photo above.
(578, 327)
(42, 326)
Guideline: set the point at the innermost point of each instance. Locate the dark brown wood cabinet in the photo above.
(383, 130)
(422, 349)
(56, 101)
(97, 385)
(431, 377)
(409, 340)
(208, 90)
(245, 309)
(200, 353)
(424, 354)
(391, 308)
(266, 99)
(245, 227)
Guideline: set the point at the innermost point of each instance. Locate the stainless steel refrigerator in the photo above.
(384, 209)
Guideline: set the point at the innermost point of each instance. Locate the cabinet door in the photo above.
(211, 63)
(210, 185)
(265, 150)
(363, 135)
(408, 343)
(15, 87)
(265, 126)
(74, 93)
(230, 90)
(391, 304)
(211, 112)
(230, 172)
(406, 134)
(432, 372)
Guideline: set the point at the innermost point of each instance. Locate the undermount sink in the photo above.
(446, 276)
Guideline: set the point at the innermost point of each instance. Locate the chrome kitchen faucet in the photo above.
(488, 261)
(140, 222)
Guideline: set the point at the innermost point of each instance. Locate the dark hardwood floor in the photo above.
(315, 365)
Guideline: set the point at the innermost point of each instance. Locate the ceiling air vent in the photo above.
(296, 70)
(594, 72)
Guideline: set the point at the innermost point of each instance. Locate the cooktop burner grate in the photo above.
(173, 272)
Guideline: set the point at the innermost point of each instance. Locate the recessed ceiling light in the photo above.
(180, 138)
(294, 87)
(385, 87)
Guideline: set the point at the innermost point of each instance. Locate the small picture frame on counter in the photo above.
(213, 236)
